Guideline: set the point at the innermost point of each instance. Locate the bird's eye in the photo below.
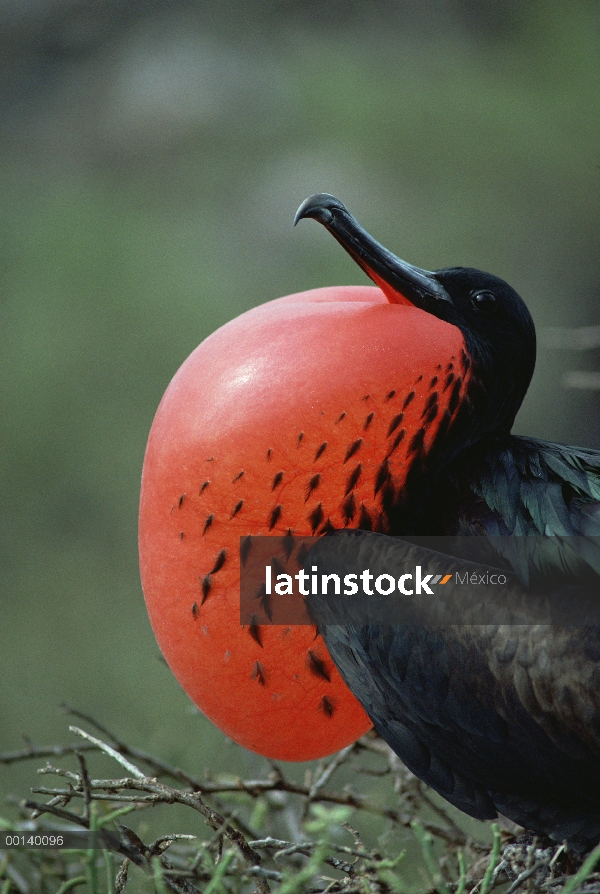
(484, 302)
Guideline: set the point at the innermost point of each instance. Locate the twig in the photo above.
(336, 761)
(527, 873)
(162, 794)
(32, 752)
(131, 768)
(255, 787)
(85, 782)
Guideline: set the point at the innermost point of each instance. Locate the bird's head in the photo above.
(498, 331)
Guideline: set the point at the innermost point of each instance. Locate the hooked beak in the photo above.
(401, 282)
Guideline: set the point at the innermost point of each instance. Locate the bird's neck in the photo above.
(437, 490)
(437, 483)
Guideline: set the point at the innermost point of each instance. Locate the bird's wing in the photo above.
(484, 714)
(544, 507)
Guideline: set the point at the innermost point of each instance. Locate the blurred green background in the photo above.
(152, 157)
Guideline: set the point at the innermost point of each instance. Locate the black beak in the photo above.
(401, 282)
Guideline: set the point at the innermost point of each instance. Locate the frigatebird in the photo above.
(498, 717)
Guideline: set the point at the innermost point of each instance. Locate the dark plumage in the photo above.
(500, 713)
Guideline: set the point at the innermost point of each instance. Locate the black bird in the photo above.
(497, 710)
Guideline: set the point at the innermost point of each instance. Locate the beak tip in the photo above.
(320, 207)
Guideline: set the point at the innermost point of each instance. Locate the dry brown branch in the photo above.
(235, 860)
